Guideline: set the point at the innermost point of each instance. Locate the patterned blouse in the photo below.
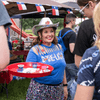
(89, 70)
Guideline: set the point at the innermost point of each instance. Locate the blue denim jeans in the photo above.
(71, 71)
(72, 85)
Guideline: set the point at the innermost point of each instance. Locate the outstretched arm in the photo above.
(4, 50)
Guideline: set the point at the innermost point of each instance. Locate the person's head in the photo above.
(96, 20)
(87, 7)
(26, 39)
(70, 19)
(45, 31)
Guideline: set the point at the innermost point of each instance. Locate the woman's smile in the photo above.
(48, 35)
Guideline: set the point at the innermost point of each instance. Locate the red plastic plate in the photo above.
(13, 69)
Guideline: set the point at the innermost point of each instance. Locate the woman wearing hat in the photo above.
(48, 51)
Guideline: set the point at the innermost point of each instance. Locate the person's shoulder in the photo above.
(5, 19)
(63, 30)
(92, 51)
(69, 30)
(90, 57)
(59, 45)
(35, 46)
(93, 48)
(87, 22)
(34, 49)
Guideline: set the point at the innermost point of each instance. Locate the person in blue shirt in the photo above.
(47, 50)
(88, 87)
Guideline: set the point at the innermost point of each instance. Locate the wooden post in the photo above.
(45, 14)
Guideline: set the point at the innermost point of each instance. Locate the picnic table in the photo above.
(22, 52)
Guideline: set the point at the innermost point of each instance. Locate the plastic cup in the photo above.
(20, 66)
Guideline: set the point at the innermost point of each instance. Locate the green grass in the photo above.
(30, 31)
(17, 90)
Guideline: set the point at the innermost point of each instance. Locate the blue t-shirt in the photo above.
(89, 70)
(51, 55)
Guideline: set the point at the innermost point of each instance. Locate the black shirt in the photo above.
(85, 37)
(69, 38)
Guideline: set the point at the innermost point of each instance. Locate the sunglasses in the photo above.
(81, 11)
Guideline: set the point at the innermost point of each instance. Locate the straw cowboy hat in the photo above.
(44, 23)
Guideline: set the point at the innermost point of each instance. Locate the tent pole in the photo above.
(21, 35)
(45, 14)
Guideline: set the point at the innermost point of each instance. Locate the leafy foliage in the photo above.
(30, 22)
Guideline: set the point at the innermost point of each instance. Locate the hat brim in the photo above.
(37, 28)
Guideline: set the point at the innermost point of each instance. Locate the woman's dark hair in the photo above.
(37, 41)
(84, 2)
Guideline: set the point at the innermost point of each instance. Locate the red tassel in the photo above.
(40, 40)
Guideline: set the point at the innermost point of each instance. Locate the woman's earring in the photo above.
(40, 40)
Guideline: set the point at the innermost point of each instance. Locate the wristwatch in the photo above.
(65, 84)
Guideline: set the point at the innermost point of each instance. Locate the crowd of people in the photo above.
(76, 70)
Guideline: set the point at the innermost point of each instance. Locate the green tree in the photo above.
(60, 20)
(30, 22)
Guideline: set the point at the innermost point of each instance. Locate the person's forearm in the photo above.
(64, 80)
(65, 87)
(77, 60)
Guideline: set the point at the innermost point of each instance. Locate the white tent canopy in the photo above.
(62, 1)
